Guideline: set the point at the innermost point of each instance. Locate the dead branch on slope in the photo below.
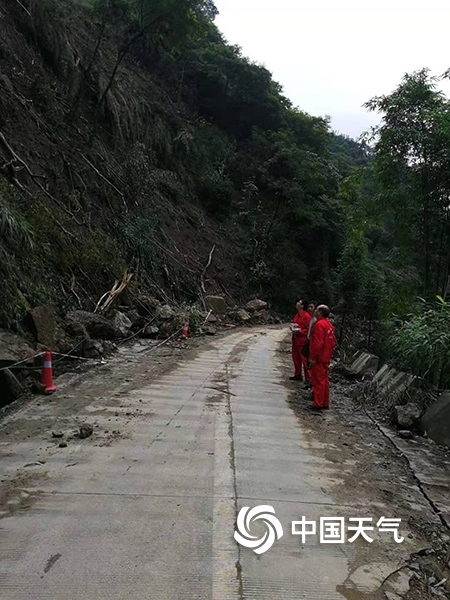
(107, 299)
(202, 278)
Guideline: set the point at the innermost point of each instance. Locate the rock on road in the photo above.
(150, 512)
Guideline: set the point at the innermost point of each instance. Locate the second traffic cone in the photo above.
(185, 333)
(47, 374)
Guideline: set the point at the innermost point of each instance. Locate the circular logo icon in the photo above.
(274, 530)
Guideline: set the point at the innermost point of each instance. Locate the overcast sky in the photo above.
(331, 56)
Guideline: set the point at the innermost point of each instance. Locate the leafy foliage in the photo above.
(398, 229)
(16, 247)
(138, 239)
(348, 154)
(421, 343)
(412, 148)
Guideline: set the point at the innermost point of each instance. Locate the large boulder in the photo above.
(168, 328)
(211, 318)
(109, 347)
(146, 305)
(217, 304)
(95, 325)
(42, 323)
(76, 330)
(209, 330)
(436, 421)
(137, 321)
(151, 331)
(408, 416)
(265, 314)
(256, 305)
(240, 315)
(92, 349)
(122, 323)
(13, 349)
(231, 303)
(261, 316)
(207, 317)
(165, 312)
(10, 387)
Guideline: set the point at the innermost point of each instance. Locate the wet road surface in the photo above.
(146, 509)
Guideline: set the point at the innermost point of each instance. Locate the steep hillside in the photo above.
(140, 142)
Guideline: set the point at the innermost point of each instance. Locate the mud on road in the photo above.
(183, 438)
(374, 470)
(94, 384)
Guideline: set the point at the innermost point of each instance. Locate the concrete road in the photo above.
(146, 508)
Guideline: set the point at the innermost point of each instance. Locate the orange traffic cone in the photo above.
(185, 333)
(47, 374)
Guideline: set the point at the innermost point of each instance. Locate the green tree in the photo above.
(161, 22)
(412, 147)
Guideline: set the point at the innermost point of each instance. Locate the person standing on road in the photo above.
(299, 328)
(311, 310)
(321, 349)
(305, 351)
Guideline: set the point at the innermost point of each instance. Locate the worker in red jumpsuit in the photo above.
(321, 347)
(300, 328)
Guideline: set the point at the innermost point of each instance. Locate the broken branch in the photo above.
(107, 181)
(24, 8)
(114, 293)
(202, 278)
(206, 320)
(72, 289)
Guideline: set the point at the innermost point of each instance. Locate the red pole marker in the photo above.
(47, 374)
(185, 333)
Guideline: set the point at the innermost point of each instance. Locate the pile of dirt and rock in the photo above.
(399, 398)
(13, 350)
(80, 334)
(401, 468)
(148, 317)
(227, 311)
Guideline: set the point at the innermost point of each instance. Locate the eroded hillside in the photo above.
(124, 146)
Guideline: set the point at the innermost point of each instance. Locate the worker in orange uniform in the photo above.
(321, 347)
(299, 328)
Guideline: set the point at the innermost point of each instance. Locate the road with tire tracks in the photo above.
(146, 508)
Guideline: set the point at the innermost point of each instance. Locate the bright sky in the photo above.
(331, 56)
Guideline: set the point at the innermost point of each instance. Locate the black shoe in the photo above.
(315, 409)
(296, 378)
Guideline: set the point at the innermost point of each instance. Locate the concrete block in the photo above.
(401, 382)
(365, 364)
(381, 373)
(393, 382)
(385, 381)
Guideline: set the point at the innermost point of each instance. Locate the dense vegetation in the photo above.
(152, 140)
(395, 265)
(133, 136)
